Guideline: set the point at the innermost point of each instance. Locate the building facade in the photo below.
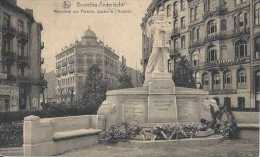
(73, 62)
(21, 79)
(221, 39)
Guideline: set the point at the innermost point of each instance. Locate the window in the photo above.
(191, 14)
(20, 49)
(257, 14)
(257, 47)
(7, 45)
(241, 49)
(183, 22)
(195, 59)
(175, 42)
(175, 25)
(195, 34)
(241, 103)
(257, 81)
(182, 5)
(227, 103)
(241, 78)
(175, 5)
(223, 25)
(205, 80)
(6, 20)
(195, 12)
(212, 54)
(216, 80)
(20, 25)
(198, 33)
(227, 79)
(183, 42)
(212, 27)
(169, 10)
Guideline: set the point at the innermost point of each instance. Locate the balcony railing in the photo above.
(220, 10)
(222, 91)
(22, 36)
(8, 31)
(22, 60)
(8, 57)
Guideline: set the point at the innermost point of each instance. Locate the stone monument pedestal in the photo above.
(157, 102)
(162, 105)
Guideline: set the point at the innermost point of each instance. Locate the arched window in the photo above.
(241, 49)
(216, 80)
(223, 25)
(227, 79)
(175, 6)
(195, 59)
(205, 80)
(212, 54)
(257, 14)
(241, 78)
(169, 10)
(212, 27)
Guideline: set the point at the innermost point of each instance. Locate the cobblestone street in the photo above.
(236, 148)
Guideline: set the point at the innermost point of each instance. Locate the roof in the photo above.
(9, 4)
(90, 34)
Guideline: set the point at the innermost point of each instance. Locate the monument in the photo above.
(158, 101)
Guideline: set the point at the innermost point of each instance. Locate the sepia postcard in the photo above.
(129, 78)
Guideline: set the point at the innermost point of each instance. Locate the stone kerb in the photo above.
(39, 134)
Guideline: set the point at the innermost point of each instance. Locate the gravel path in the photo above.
(235, 148)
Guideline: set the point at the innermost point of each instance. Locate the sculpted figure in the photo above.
(158, 61)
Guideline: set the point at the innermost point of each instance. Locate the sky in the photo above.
(120, 31)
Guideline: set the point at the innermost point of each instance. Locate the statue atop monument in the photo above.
(158, 60)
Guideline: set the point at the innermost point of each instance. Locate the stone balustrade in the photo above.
(52, 136)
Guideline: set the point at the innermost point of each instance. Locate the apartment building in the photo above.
(220, 38)
(21, 79)
(73, 62)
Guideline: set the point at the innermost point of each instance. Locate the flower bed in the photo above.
(11, 134)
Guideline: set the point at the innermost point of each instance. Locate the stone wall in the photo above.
(52, 136)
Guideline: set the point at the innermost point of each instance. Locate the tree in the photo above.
(124, 79)
(183, 72)
(94, 90)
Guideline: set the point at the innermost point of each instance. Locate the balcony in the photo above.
(22, 60)
(22, 37)
(241, 31)
(8, 57)
(8, 32)
(175, 32)
(220, 10)
(222, 91)
(23, 80)
(196, 43)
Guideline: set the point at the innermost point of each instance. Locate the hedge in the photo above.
(11, 134)
(7, 117)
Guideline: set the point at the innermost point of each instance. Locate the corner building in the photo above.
(221, 38)
(73, 62)
(21, 78)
